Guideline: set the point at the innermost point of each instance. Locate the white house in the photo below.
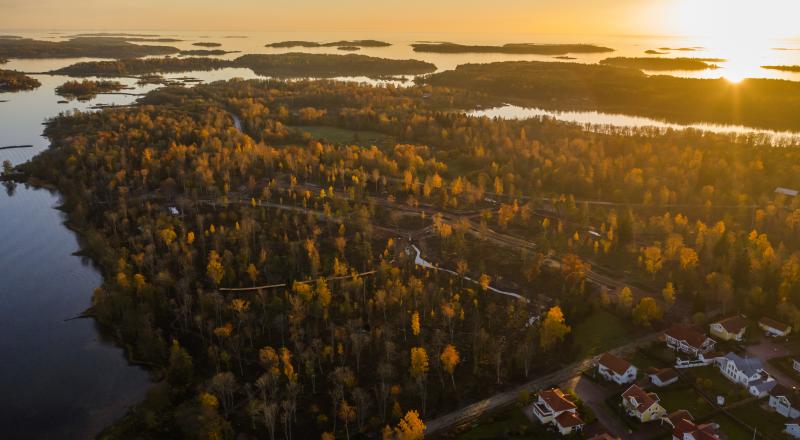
(748, 372)
(553, 407)
(688, 340)
(774, 328)
(796, 364)
(686, 429)
(785, 401)
(793, 428)
(663, 377)
(616, 369)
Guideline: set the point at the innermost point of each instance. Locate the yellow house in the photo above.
(729, 329)
(642, 405)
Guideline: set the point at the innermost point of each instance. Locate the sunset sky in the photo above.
(617, 17)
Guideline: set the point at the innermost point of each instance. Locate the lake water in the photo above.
(60, 379)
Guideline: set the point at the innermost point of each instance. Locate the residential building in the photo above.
(793, 428)
(774, 328)
(762, 386)
(688, 340)
(785, 401)
(796, 364)
(616, 369)
(642, 405)
(740, 370)
(663, 377)
(553, 407)
(686, 429)
(729, 329)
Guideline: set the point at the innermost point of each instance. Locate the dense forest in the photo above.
(288, 64)
(763, 103)
(97, 47)
(511, 48)
(267, 274)
(13, 81)
(655, 63)
(85, 90)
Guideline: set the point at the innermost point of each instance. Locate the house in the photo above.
(761, 386)
(785, 401)
(686, 429)
(673, 418)
(553, 407)
(688, 340)
(796, 364)
(774, 328)
(740, 370)
(663, 377)
(616, 369)
(642, 405)
(786, 191)
(793, 428)
(729, 329)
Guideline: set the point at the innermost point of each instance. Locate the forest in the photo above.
(655, 63)
(86, 90)
(288, 64)
(13, 81)
(342, 43)
(267, 275)
(92, 47)
(762, 103)
(511, 48)
(783, 68)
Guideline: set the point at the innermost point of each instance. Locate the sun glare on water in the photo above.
(740, 31)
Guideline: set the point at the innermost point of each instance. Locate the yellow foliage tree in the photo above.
(553, 329)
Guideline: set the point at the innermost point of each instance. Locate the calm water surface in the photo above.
(60, 379)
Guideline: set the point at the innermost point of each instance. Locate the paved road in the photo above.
(769, 348)
(472, 412)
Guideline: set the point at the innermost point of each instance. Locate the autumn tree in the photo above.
(450, 359)
(646, 312)
(553, 328)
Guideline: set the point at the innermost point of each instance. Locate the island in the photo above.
(206, 44)
(13, 81)
(86, 90)
(511, 48)
(329, 65)
(343, 43)
(206, 52)
(93, 47)
(654, 63)
(349, 48)
(763, 103)
(783, 68)
(137, 66)
(655, 52)
(680, 49)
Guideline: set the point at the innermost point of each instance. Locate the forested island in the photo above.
(137, 66)
(511, 48)
(763, 103)
(348, 48)
(342, 43)
(13, 81)
(654, 63)
(288, 64)
(269, 276)
(783, 68)
(85, 90)
(327, 65)
(206, 52)
(655, 52)
(97, 47)
(206, 44)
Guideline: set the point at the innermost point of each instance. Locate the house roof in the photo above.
(665, 374)
(679, 415)
(603, 436)
(556, 400)
(787, 191)
(681, 427)
(749, 366)
(644, 400)
(777, 325)
(708, 431)
(763, 384)
(733, 324)
(568, 420)
(690, 335)
(614, 363)
(791, 394)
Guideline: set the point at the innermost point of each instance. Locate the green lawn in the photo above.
(719, 385)
(681, 396)
(768, 423)
(599, 332)
(343, 136)
(511, 424)
(731, 429)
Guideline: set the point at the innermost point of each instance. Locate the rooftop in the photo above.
(614, 363)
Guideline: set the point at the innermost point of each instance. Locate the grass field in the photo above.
(343, 136)
(599, 332)
(681, 396)
(511, 424)
(768, 423)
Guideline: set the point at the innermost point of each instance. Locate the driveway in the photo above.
(594, 396)
(770, 348)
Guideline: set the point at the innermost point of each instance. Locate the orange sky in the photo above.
(616, 17)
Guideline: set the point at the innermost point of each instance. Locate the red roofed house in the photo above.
(663, 377)
(616, 369)
(552, 406)
(688, 340)
(642, 405)
(729, 329)
(774, 328)
(686, 429)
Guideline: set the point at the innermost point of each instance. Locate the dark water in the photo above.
(58, 379)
